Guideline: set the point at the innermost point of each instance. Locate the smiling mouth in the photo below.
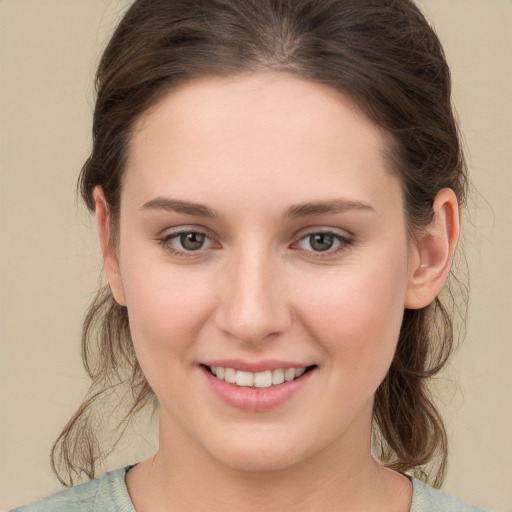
(266, 379)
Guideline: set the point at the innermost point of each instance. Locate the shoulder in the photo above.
(428, 499)
(106, 493)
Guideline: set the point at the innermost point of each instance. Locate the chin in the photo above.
(254, 455)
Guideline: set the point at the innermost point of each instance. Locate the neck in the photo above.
(181, 476)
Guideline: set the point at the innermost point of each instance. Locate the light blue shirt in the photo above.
(109, 494)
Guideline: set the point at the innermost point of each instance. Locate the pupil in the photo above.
(321, 241)
(192, 241)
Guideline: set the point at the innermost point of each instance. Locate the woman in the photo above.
(277, 187)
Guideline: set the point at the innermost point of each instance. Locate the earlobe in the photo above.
(110, 258)
(433, 252)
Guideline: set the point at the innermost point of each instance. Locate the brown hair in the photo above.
(382, 54)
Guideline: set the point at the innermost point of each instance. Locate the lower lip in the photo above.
(256, 399)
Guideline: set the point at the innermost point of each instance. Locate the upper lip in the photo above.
(254, 366)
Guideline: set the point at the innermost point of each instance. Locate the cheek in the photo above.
(356, 316)
(166, 307)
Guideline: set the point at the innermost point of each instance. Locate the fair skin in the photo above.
(261, 229)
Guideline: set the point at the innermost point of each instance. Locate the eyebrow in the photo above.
(180, 206)
(296, 211)
(328, 207)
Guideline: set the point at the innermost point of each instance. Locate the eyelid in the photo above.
(181, 229)
(345, 239)
(325, 230)
(164, 239)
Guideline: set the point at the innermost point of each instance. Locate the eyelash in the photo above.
(165, 243)
(344, 243)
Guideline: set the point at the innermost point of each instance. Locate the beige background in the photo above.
(49, 260)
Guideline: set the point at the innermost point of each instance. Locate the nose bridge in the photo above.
(254, 304)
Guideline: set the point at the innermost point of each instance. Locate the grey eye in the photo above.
(192, 241)
(321, 241)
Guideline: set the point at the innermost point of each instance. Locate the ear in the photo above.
(110, 259)
(432, 254)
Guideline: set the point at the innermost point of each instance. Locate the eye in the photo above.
(324, 242)
(321, 241)
(186, 242)
(191, 241)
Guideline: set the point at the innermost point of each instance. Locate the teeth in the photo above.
(264, 379)
(243, 378)
(289, 374)
(230, 375)
(299, 372)
(278, 376)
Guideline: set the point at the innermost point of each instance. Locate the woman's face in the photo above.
(262, 232)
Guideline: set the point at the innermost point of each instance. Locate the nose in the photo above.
(253, 305)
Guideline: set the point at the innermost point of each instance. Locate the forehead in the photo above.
(269, 134)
